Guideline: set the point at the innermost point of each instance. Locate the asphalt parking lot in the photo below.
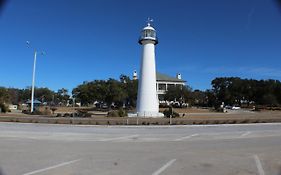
(46, 149)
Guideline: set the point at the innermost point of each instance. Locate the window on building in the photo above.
(162, 87)
(171, 85)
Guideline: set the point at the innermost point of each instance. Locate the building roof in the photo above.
(34, 102)
(163, 77)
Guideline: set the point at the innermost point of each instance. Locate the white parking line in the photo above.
(51, 167)
(245, 134)
(259, 166)
(186, 137)
(160, 170)
(118, 138)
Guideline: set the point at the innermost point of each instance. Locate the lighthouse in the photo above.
(147, 100)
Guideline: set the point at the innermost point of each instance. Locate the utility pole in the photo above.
(33, 82)
(33, 76)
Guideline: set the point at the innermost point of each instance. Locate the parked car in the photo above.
(235, 108)
(228, 107)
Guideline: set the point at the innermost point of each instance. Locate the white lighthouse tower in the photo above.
(147, 101)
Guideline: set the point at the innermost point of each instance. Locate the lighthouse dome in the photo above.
(148, 27)
(148, 33)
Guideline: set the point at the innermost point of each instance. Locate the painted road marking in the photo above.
(245, 134)
(52, 167)
(186, 137)
(160, 170)
(259, 166)
(119, 138)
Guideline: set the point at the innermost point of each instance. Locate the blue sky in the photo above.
(97, 39)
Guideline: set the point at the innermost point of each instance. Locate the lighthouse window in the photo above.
(151, 33)
(144, 33)
(148, 33)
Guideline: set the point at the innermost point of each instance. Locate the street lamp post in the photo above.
(33, 76)
(33, 82)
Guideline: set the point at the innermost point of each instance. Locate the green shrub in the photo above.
(113, 114)
(46, 111)
(3, 108)
(66, 115)
(25, 111)
(36, 112)
(82, 112)
(168, 112)
(88, 115)
(122, 112)
(53, 109)
(118, 113)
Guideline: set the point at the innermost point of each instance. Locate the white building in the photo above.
(163, 82)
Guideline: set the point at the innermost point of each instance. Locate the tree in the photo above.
(24, 94)
(99, 90)
(14, 97)
(4, 95)
(130, 87)
(210, 98)
(233, 90)
(221, 91)
(198, 98)
(82, 94)
(269, 99)
(115, 92)
(44, 94)
(178, 93)
(62, 96)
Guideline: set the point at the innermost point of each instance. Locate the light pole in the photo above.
(33, 76)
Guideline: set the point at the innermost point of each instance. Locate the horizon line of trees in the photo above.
(118, 92)
(234, 90)
(45, 95)
(230, 90)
